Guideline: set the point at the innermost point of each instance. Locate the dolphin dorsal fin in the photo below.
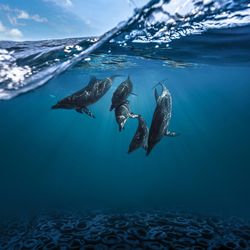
(156, 95)
(163, 87)
(92, 79)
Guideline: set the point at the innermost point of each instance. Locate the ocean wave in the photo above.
(182, 31)
(166, 20)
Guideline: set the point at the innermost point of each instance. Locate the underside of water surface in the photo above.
(59, 166)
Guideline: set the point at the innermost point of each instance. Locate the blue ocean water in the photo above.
(60, 159)
(62, 155)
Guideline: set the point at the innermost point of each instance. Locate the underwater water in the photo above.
(62, 159)
(61, 154)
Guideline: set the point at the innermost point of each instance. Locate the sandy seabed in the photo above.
(126, 230)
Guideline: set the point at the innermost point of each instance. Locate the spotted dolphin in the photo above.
(121, 93)
(140, 138)
(161, 118)
(122, 114)
(90, 94)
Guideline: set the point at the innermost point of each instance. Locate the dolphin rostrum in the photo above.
(90, 94)
(161, 118)
(121, 93)
(122, 113)
(140, 138)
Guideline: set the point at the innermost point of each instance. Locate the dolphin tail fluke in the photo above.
(86, 111)
(172, 134)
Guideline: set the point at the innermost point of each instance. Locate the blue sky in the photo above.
(47, 19)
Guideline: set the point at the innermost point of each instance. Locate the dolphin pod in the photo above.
(143, 138)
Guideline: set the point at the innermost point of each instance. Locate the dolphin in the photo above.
(90, 94)
(140, 138)
(122, 113)
(161, 118)
(121, 93)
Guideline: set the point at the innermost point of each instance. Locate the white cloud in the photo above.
(68, 2)
(6, 33)
(14, 15)
(39, 19)
(25, 15)
(15, 33)
(61, 3)
(2, 27)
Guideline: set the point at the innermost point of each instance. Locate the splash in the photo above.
(151, 32)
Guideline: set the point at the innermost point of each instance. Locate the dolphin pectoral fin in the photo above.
(111, 107)
(132, 115)
(172, 134)
(86, 111)
(133, 94)
(156, 95)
